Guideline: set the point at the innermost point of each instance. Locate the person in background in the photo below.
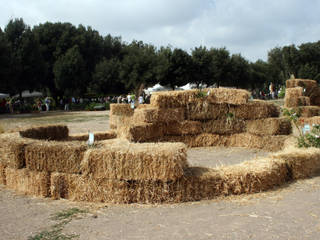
(47, 102)
(272, 90)
(141, 100)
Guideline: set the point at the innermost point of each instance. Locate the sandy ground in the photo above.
(290, 212)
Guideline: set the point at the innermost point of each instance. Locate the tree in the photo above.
(106, 79)
(69, 72)
(5, 59)
(220, 65)
(202, 71)
(27, 67)
(177, 71)
(239, 72)
(139, 66)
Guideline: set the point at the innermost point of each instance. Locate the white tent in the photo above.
(27, 93)
(4, 95)
(157, 88)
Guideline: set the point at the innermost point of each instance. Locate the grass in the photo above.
(55, 232)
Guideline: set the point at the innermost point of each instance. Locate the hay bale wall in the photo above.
(309, 85)
(292, 97)
(155, 115)
(202, 110)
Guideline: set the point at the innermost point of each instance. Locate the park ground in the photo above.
(289, 212)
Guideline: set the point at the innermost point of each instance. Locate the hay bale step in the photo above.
(156, 115)
(47, 132)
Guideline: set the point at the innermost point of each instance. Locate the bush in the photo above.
(282, 92)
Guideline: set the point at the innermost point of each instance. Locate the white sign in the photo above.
(306, 128)
(91, 139)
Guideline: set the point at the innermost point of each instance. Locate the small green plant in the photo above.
(282, 92)
(230, 117)
(201, 94)
(55, 231)
(309, 139)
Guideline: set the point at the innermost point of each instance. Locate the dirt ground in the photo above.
(290, 212)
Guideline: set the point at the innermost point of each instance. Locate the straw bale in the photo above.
(154, 115)
(2, 173)
(309, 85)
(98, 136)
(315, 98)
(308, 111)
(29, 182)
(55, 156)
(12, 149)
(268, 143)
(48, 132)
(301, 162)
(116, 120)
(292, 96)
(202, 110)
(79, 188)
(247, 140)
(269, 126)
(224, 126)
(143, 106)
(141, 132)
(304, 101)
(121, 159)
(309, 120)
(122, 109)
(228, 95)
(183, 128)
(173, 99)
(253, 176)
(256, 109)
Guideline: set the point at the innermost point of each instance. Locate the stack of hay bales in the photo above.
(217, 116)
(304, 96)
(28, 157)
(119, 171)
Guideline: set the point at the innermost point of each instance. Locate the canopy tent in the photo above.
(4, 95)
(27, 93)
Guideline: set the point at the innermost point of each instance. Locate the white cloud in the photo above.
(248, 27)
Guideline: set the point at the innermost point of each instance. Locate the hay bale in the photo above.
(292, 96)
(116, 121)
(308, 111)
(304, 101)
(253, 176)
(176, 99)
(301, 162)
(48, 132)
(228, 95)
(247, 140)
(224, 126)
(269, 126)
(79, 188)
(202, 110)
(309, 120)
(130, 161)
(182, 128)
(2, 174)
(141, 132)
(98, 136)
(55, 156)
(310, 86)
(12, 150)
(28, 182)
(122, 109)
(155, 115)
(256, 109)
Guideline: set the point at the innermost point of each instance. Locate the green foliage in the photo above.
(311, 139)
(282, 92)
(68, 214)
(201, 94)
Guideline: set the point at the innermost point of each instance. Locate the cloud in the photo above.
(248, 27)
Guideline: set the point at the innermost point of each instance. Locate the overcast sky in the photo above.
(249, 27)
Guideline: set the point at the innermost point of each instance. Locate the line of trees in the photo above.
(65, 60)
